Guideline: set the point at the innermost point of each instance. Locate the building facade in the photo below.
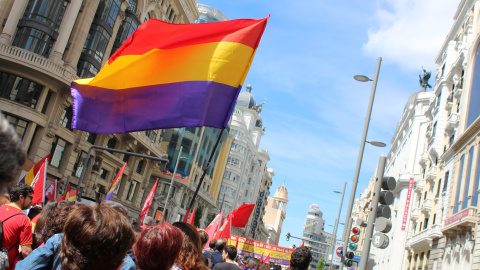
(275, 214)
(209, 14)
(44, 45)
(246, 178)
(314, 229)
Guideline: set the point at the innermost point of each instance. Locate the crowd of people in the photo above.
(66, 236)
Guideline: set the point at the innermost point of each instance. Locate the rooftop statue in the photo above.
(424, 80)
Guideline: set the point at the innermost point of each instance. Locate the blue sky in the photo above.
(315, 110)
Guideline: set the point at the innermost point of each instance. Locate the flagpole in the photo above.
(203, 175)
(171, 184)
(44, 183)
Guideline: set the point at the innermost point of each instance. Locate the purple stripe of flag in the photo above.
(183, 104)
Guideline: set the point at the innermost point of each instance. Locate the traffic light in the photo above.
(294, 247)
(383, 223)
(288, 236)
(352, 247)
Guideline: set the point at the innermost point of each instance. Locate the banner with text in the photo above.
(252, 248)
(407, 204)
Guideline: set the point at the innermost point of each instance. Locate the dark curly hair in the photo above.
(19, 189)
(191, 255)
(56, 222)
(301, 258)
(13, 155)
(95, 238)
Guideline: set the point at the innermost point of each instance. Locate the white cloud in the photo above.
(410, 32)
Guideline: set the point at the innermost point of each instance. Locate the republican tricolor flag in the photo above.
(115, 183)
(30, 176)
(169, 75)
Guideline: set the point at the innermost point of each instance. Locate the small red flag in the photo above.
(38, 184)
(224, 231)
(261, 257)
(64, 197)
(212, 229)
(267, 260)
(148, 203)
(192, 217)
(51, 191)
(241, 215)
(303, 244)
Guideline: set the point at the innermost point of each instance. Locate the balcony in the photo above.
(452, 122)
(431, 174)
(427, 206)
(424, 238)
(461, 221)
(37, 62)
(419, 185)
(424, 159)
(415, 214)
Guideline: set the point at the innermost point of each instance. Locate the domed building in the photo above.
(247, 178)
(275, 214)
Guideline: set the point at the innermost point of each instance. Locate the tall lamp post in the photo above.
(336, 221)
(171, 184)
(348, 223)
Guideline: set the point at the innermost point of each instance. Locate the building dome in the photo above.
(245, 99)
(281, 193)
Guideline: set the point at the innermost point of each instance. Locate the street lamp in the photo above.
(334, 239)
(360, 78)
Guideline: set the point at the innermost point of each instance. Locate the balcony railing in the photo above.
(431, 174)
(427, 206)
(415, 214)
(38, 62)
(420, 240)
(452, 122)
(463, 220)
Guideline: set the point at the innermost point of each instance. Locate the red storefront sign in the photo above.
(407, 204)
(457, 216)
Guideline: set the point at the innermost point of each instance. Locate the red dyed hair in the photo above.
(158, 247)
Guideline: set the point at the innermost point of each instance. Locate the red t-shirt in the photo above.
(16, 230)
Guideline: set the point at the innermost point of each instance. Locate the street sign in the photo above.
(380, 240)
(337, 259)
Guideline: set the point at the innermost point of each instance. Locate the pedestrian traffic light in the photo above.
(288, 236)
(383, 223)
(349, 259)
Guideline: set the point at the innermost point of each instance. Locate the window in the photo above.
(19, 124)
(151, 134)
(133, 5)
(467, 180)
(33, 40)
(58, 148)
(439, 188)
(128, 26)
(47, 101)
(20, 90)
(66, 118)
(108, 11)
(183, 200)
(235, 162)
(131, 190)
(86, 69)
(79, 164)
(445, 183)
(91, 137)
(111, 143)
(96, 42)
(103, 174)
(126, 156)
(231, 176)
(459, 185)
(246, 193)
(140, 166)
(50, 12)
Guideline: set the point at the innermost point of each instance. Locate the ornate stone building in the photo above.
(275, 214)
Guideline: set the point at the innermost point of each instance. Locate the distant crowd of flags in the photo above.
(37, 178)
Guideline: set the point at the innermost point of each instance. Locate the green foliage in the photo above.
(198, 216)
(321, 264)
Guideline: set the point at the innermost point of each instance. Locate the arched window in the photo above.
(133, 5)
(111, 143)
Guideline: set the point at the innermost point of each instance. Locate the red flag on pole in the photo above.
(267, 260)
(38, 184)
(192, 217)
(224, 231)
(148, 203)
(213, 227)
(303, 244)
(64, 197)
(241, 215)
(261, 257)
(51, 191)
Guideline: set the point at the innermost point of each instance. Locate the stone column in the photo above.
(67, 25)
(11, 25)
(79, 34)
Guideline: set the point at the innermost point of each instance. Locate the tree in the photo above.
(198, 216)
(321, 264)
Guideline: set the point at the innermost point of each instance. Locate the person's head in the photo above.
(229, 252)
(191, 255)
(203, 237)
(301, 258)
(148, 220)
(253, 263)
(212, 243)
(158, 247)
(21, 195)
(45, 214)
(13, 155)
(117, 206)
(95, 238)
(56, 221)
(137, 228)
(220, 245)
(264, 266)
